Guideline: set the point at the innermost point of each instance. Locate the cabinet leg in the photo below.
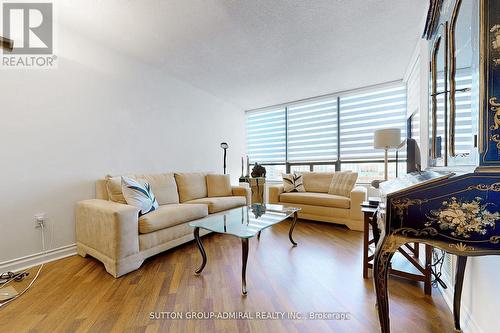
(365, 245)
(428, 275)
(381, 263)
(457, 297)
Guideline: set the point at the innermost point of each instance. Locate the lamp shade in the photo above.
(387, 138)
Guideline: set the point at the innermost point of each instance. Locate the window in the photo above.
(324, 168)
(304, 136)
(266, 135)
(275, 171)
(312, 130)
(299, 168)
(373, 171)
(363, 113)
(464, 133)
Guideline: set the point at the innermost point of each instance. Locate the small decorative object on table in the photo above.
(258, 210)
(257, 185)
(248, 167)
(243, 178)
(373, 201)
(258, 171)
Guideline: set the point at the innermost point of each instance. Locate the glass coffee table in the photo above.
(244, 223)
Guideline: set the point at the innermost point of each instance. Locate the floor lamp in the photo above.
(224, 146)
(385, 139)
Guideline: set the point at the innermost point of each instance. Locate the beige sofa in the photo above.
(318, 205)
(111, 231)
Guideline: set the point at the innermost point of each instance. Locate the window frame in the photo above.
(338, 162)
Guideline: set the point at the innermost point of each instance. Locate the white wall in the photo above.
(99, 112)
(416, 78)
(480, 296)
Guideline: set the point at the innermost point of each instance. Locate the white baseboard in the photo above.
(467, 322)
(36, 259)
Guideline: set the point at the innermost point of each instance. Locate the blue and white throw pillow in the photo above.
(139, 195)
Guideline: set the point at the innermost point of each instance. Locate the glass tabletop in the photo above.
(247, 221)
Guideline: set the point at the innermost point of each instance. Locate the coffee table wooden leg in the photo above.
(290, 233)
(202, 250)
(244, 257)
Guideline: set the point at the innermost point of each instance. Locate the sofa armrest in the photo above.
(241, 191)
(108, 227)
(358, 195)
(274, 193)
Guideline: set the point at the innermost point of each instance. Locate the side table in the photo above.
(408, 263)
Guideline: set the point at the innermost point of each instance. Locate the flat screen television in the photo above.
(413, 158)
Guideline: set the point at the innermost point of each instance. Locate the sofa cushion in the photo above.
(316, 199)
(317, 181)
(321, 211)
(170, 215)
(293, 183)
(114, 188)
(219, 186)
(343, 183)
(163, 186)
(220, 203)
(139, 194)
(191, 185)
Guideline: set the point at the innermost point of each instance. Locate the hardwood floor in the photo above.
(323, 274)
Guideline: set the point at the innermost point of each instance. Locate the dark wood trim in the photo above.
(432, 18)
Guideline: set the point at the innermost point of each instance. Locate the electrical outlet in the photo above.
(40, 219)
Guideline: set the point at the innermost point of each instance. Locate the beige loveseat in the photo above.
(318, 205)
(111, 231)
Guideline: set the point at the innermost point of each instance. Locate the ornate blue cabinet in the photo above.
(453, 205)
(490, 156)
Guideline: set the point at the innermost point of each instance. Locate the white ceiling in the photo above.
(254, 53)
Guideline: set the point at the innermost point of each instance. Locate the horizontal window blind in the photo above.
(307, 132)
(266, 135)
(440, 113)
(362, 113)
(312, 130)
(464, 136)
